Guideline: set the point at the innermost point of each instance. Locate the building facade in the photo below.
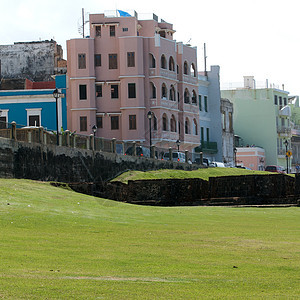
(262, 118)
(36, 61)
(250, 157)
(128, 68)
(210, 114)
(227, 132)
(35, 106)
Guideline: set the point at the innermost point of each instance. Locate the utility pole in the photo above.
(205, 57)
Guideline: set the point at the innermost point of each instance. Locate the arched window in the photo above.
(193, 70)
(173, 124)
(171, 64)
(154, 122)
(185, 68)
(164, 91)
(195, 127)
(152, 63)
(163, 62)
(187, 126)
(186, 96)
(194, 97)
(165, 122)
(152, 91)
(172, 93)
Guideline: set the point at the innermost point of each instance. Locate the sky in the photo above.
(257, 38)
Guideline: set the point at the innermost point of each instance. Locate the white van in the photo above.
(217, 164)
(177, 156)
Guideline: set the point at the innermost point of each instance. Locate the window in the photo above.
(132, 122)
(202, 134)
(195, 127)
(125, 29)
(130, 59)
(98, 91)
(223, 121)
(172, 93)
(207, 134)
(187, 126)
(164, 91)
(82, 92)
(163, 63)
(186, 96)
(98, 30)
(230, 121)
(99, 122)
(97, 60)
(152, 63)
(275, 100)
(200, 102)
(2, 122)
(280, 102)
(162, 33)
(205, 103)
(81, 61)
(173, 124)
(194, 98)
(34, 120)
(193, 70)
(154, 122)
(284, 101)
(165, 122)
(171, 64)
(114, 91)
(131, 90)
(152, 91)
(114, 122)
(112, 30)
(113, 61)
(185, 68)
(83, 123)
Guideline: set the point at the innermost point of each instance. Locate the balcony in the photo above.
(208, 147)
(284, 131)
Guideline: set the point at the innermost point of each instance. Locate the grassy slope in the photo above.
(200, 173)
(56, 244)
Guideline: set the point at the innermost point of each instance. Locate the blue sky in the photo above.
(258, 37)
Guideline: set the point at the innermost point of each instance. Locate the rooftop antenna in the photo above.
(205, 57)
(81, 27)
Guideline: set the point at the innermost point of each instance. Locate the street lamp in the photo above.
(150, 115)
(94, 128)
(234, 150)
(286, 155)
(178, 144)
(56, 95)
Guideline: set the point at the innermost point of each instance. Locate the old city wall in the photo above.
(66, 164)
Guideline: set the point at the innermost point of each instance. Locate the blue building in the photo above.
(34, 107)
(210, 115)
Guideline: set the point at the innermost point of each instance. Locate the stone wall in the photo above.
(66, 164)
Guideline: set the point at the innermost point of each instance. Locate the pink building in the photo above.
(251, 157)
(126, 68)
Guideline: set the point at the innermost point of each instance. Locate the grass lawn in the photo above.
(204, 173)
(57, 244)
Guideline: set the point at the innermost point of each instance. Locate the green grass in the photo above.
(204, 173)
(57, 244)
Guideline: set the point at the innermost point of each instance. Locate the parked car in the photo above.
(217, 164)
(140, 151)
(276, 169)
(177, 156)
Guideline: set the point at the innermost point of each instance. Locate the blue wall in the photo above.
(17, 111)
